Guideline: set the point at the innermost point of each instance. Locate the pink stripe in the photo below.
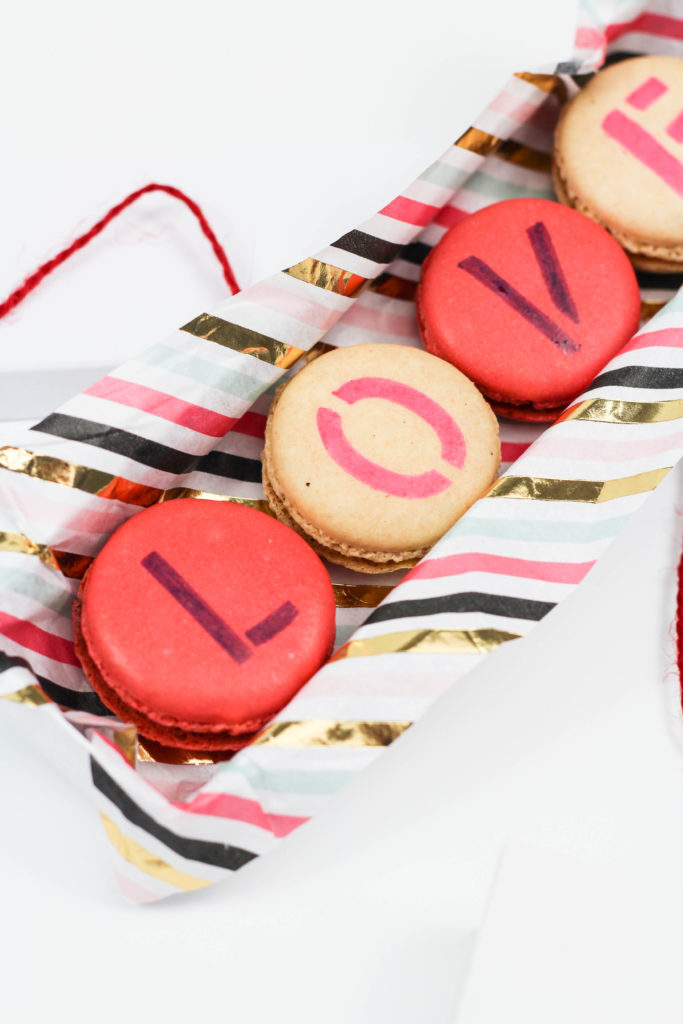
(449, 216)
(253, 424)
(85, 526)
(645, 148)
(511, 450)
(646, 94)
(589, 39)
(134, 892)
(513, 107)
(545, 118)
(451, 565)
(293, 305)
(175, 410)
(410, 211)
(238, 808)
(33, 638)
(654, 24)
(386, 323)
(675, 129)
(610, 451)
(670, 337)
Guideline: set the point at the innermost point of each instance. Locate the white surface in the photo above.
(571, 740)
(290, 123)
(595, 946)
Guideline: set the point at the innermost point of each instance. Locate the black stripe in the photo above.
(235, 466)
(640, 377)
(567, 67)
(491, 604)
(149, 453)
(571, 67)
(139, 449)
(415, 252)
(582, 79)
(75, 700)
(12, 661)
(219, 855)
(663, 282)
(371, 248)
(619, 55)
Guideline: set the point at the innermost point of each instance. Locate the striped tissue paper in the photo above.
(186, 418)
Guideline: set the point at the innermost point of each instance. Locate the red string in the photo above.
(38, 275)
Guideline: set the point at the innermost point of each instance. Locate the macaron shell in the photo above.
(341, 554)
(181, 666)
(180, 735)
(613, 115)
(362, 514)
(469, 322)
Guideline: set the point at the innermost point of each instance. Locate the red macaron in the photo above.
(529, 299)
(199, 620)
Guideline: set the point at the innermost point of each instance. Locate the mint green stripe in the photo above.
(39, 589)
(445, 175)
(195, 368)
(486, 185)
(313, 782)
(555, 532)
(674, 305)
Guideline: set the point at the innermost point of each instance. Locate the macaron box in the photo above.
(208, 542)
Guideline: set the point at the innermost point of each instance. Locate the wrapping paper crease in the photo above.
(186, 418)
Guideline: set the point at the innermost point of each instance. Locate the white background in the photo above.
(290, 123)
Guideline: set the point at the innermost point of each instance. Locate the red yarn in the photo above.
(37, 276)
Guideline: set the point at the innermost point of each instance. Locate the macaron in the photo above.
(372, 452)
(529, 299)
(199, 620)
(618, 157)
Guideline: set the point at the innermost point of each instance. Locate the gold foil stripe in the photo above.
(80, 478)
(548, 83)
(156, 753)
(17, 543)
(394, 287)
(47, 467)
(127, 740)
(148, 862)
(243, 339)
(477, 141)
(611, 410)
(31, 695)
(330, 733)
(426, 641)
(524, 156)
(68, 564)
(188, 492)
(324, 275)
(103, 485)
(319, 349)
(594, 491)
(359, 595)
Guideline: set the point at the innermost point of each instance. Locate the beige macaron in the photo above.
(618, 157)
(372, 453)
